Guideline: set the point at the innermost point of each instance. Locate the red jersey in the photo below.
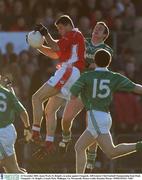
(72, 49)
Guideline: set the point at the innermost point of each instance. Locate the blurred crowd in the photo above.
(18, 15)
(30, 69)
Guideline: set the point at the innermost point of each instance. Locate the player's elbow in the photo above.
(138, 89)
(47, 51)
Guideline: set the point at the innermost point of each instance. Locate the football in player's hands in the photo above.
(35, 39)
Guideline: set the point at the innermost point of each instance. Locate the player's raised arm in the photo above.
(47, 51)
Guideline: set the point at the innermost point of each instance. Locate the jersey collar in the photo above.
(97, 44)
(101, 69)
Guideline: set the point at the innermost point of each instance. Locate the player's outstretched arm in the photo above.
(47, 51)
(27, 130)
(138, 89)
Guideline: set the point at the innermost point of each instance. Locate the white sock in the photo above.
(36, 128)
(49, 138)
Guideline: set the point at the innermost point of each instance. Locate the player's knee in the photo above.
(79, 148)
(110, 153)
(66, 120)
(35, 98)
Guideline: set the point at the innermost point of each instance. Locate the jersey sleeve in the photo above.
(78, 86)
(16, 104)
(124, 84)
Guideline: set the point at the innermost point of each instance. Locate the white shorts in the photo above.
(98, 122)
(63, 79)
(8, 137)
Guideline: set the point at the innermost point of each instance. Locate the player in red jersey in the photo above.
(69, 49)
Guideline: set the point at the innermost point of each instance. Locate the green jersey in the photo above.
(9, 105)
(91, 49)
(96, 88)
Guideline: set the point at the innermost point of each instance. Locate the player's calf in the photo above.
(63, 145)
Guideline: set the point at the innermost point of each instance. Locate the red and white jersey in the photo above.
(72, 49)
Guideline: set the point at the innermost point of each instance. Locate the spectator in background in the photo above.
(84, 25)
(19, 9)
(48, 18)
(110, 18)
(135, 42)
(19, 25)
(2, 15)
(24, 58)
(129, 17)
(127, 112)
(74, 13)
(89, 7)
(9, 48)
(106, 6)
(118, 25)
(125, 55)
(95, 17)
(10, 5)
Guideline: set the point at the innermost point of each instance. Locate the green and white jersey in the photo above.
(96, 88)
(9, 105)
(91, 49)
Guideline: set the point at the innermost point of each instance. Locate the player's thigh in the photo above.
(54, 104)
(72, 108)
(44, 92)
(75, 74)
(84, 141)
(105, 142)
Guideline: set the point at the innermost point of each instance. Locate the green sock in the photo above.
(66, 136)
(91, 158)
(139, 146)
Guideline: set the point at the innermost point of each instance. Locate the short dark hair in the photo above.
(106, 31)
(102, 58)
(65, 20)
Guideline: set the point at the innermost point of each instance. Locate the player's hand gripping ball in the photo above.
(35, 39)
